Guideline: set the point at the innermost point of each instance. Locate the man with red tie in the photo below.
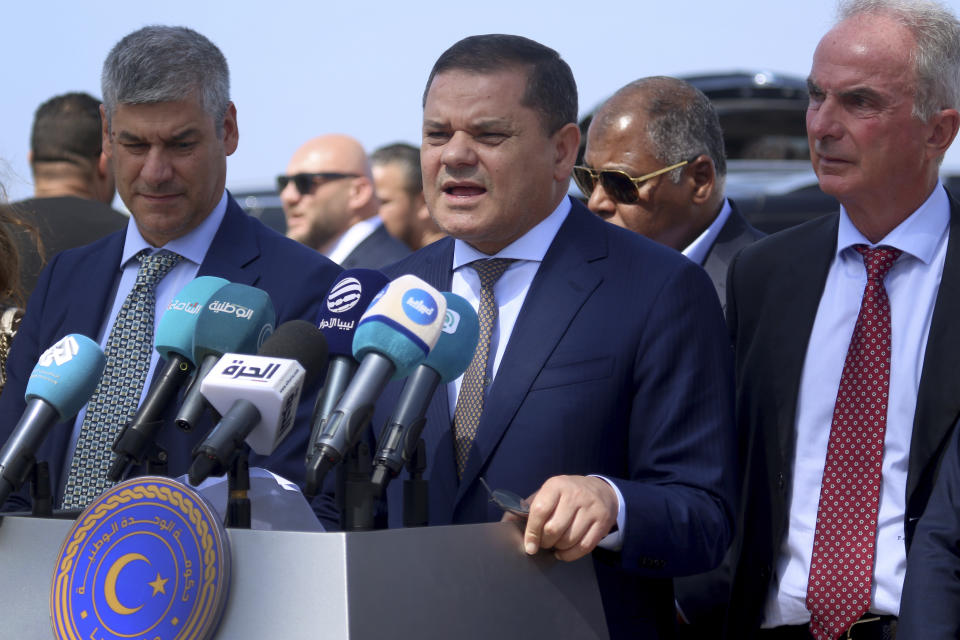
(845, 343)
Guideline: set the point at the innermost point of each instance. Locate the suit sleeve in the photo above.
(930, 603)
(680, 494)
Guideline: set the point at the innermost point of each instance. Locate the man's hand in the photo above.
(570, 514)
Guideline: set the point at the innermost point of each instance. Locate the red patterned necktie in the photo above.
(841, 569)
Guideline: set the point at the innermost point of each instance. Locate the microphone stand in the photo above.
(416, 507)
(40, 493)
(238, 484)
(360, 493)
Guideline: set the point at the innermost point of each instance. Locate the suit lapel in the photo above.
(98, 266)
(234, 248)
(938, 398)
(734, 235)
(564, 281)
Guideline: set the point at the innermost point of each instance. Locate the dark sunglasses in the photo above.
(307, 182)
(617, 184)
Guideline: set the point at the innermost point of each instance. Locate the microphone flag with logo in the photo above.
(258, 395)
(174, 343)
(447, 361)
(60, 384)
(237, 319)
(393, 336)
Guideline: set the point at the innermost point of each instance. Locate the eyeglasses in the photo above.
(307, 182)
(617, 184)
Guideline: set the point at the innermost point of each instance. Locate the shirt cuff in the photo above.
(614, 540)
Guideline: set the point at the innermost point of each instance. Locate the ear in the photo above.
(361, 193)
(103, 165)
(421, 203)
(566, 144)
(943, 129)
(703, 177)
(231, 135)
(106, 145)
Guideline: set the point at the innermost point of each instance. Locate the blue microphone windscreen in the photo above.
(178, 324)
(301, 341)
(66, 374)
(454, 350)
(346, 301)
(236, 319)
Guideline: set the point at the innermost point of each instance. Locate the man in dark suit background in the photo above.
(844, 434)
(331, 205)
(635, 137)
(169, 126)
(605, 391)
(73, 183)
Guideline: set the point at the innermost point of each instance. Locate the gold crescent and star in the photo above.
(110, 584)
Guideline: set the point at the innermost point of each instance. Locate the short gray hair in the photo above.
(166, 64)
(936, 58)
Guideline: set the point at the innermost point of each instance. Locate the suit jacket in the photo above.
(62, 223)
(618, 365)
(772, 298)
(930, 605)
(377, 250)
(74, 294)
(735, 234)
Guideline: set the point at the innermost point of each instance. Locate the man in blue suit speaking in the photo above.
(169, 126)
(605, 392)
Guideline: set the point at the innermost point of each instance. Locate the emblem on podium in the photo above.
(148, 559)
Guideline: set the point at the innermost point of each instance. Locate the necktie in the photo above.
(841, 568)
(116, 397)
(466, 416)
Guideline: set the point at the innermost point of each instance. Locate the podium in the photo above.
(463, 582)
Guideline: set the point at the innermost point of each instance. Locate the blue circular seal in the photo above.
(147, 559)
(419, 306)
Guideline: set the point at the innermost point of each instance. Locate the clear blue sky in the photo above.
(300, 69)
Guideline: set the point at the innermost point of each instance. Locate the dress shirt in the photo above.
(352, 237)
(699, 248)
(911, 285)
(510, 291)
(193, 247)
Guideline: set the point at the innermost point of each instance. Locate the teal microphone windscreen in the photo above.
(66, 374)
(457, 343)
(402, 323)
(236, 319)
(178, 324)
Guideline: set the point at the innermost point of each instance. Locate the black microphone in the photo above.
(60, 384)
(258, 396)
(447, 361)
(174, 343)
(345, 303)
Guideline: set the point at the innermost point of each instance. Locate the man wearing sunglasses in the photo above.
(655, 164)
(330, 204)
(605, 387)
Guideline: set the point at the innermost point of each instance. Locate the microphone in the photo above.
(394, 335)
(174, 343)
(60, 384)
(237, 319)
(346, 301)
(447, 361)
(258, 396)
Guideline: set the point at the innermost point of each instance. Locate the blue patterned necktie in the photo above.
(116, 397)
(466, 416)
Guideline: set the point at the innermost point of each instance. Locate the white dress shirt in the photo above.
(699, 248)
(351, 238)
(911, 285)
(510, 291)
(193, 247)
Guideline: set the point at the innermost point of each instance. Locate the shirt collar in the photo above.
(192, 246)
(530, 246)
(351, 238)
(699, 248)
(918, 235)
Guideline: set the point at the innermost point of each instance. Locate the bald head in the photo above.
(340, 197)
(647, 125)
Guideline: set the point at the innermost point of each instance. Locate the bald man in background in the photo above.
(330, 204)
(662, 138)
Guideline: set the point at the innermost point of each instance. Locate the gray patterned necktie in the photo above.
(466, 416)
(116, 397)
